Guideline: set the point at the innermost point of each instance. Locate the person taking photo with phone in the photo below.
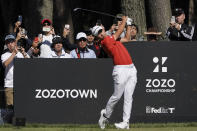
(178, 30)
(47, 37)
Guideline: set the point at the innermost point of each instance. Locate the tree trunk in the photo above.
(62, 16)
(135, 9)
(192, 12)
(46, 10)
(70, 22)
(160, 14)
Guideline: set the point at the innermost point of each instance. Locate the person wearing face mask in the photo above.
(82, 50)
(48, 34)
(178, 30)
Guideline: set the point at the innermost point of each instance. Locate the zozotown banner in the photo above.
(75, 90)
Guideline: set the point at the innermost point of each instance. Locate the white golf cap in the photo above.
(81, 35)
(96, 29)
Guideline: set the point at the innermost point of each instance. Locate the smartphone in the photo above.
(20, 18)
(23, 32)
(40, 36)
(67, 26)
(129, 21)
(173, 19)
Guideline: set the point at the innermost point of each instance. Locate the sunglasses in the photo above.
(10, 41)
(82, 39)
(36, 48)
(46, 24)
(178, 9)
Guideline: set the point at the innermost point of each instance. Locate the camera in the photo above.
(22, 43)
(57, 39)
(19, 49)
(23, 32)
(39, 44)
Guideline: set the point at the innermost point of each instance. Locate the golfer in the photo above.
(124, 75)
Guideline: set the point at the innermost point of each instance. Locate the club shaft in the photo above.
(98, 12)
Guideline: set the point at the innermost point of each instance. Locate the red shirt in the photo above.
(116, 50)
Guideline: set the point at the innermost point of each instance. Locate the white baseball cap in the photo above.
(96, 29)
(81, 35)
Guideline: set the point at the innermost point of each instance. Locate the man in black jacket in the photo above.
(178, 30)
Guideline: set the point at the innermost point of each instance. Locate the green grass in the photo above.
(134, 127)
(97, 129)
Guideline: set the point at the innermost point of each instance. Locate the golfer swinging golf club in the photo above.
(124, 74)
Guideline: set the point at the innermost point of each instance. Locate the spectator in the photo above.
(134, 31)
(152, 34)
(7, 60)
(93, 44)
(119, 22)
(111, 31)
(57, 49)
(22, 39)
(65, 40)
(178, 30)
(90, 38)
(34, 51)
(116, 23)
(17, 25)
(21, 34)
(82, 50)
(90, 42)
(126, 34)
(48, 33)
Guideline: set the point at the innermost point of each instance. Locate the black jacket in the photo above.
(195, 34)
(184, 34)
(67, 45)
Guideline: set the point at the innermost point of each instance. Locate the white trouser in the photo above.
(125, 79)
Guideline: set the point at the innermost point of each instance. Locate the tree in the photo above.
(192, 12)
(159, 13)
(62, 15)
(30, 10)
(46, 10)
(135, 9)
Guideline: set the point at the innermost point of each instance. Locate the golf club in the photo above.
(97, 12)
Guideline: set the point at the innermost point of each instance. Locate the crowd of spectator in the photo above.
(48, 44)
